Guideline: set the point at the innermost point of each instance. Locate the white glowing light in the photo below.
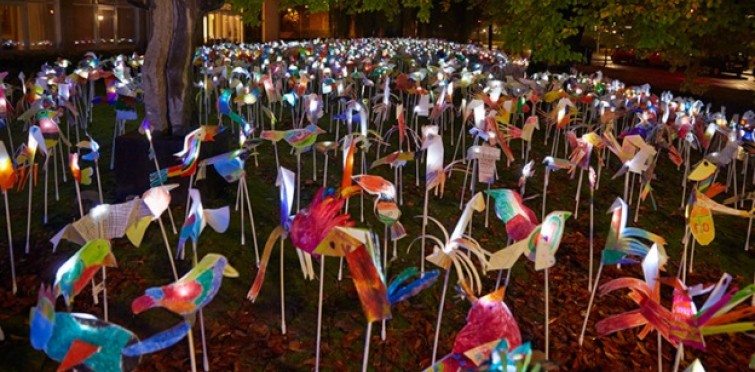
(99, 211)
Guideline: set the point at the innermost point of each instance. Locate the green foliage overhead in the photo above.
(250, 9)
(685, 31)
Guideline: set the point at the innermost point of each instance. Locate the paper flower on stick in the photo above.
(362, 255)
(555, 164)
(435, 176)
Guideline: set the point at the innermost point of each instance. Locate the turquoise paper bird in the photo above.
(190, 293)
(76, 272)
(84, 342)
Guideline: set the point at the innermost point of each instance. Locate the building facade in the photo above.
(74, 26)
(71, 25)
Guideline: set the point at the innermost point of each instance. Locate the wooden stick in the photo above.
(99, 182)
(205, 360)
(298, 179)
(749, 230)
(385, 272)
(283, 293)
(240, 200)
(579, 192)
(167, 247)
(78, 197)
(592, 235)
(692, 255)
(10, 242)
(547, 316)
(28, 214)
(545, 192)
(367, 347)
(487, 206)
(679, 357)
(440, 316)
(319, 314)
(424, 231)
(157, 169)
(104, 292)
(660, 350)
(589, 304)
(251, 219)
(192, 353)
(44, 218)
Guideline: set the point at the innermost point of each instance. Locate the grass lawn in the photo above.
(246, 336)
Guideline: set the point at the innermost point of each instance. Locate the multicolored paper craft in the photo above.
(82, 341)
(520, 220)
(198, 218)
(74, 274)
(489, 322)
(190, 293)
(684, 323)
(386, 207)
(110, 221)
(189, 155)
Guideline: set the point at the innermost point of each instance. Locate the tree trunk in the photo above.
(167, 65)
(153, 71)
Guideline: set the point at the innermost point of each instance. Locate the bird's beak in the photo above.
(142, 303)
(230, 272)
(320, 130)
(109, 261)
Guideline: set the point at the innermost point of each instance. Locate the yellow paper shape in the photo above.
(341, 240)
(701, 225)
(135, 233)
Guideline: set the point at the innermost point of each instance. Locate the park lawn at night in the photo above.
(246, 336)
